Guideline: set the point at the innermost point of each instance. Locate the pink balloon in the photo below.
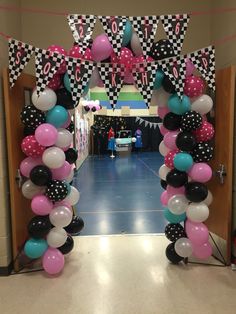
(101, 48)
(203, 251)
(163, 130)
(62, 51)
(46, 134)
(126, 57)
(194, 86)
(53, 261)
(200, 172)
(141, 59)
(189, 67)
(169, 158)
(197, 233)
(128, 79)
(175, 191)
(63, 203)
(41, 205)
(62, 172)
(162, 111)
(28, 164)
(75, 52)
(67, 123)
(30, 147)
(164, 198)
(170, 139)
(55, 82)
(205, 132)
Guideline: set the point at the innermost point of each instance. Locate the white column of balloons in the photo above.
(49, 170)
(186, 147)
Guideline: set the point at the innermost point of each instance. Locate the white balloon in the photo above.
(73, 197)
(53, 157)
(163, 149)
(29, 189)
(46, 101)
(135, 45)
(163, 171)
(134, 139)
(160, 97)
(197, 212)
(95, 78)
(60, 216)
(178, 204)
(209, 198)
(64, 138)
(202, 104)
(56, 237)
(70, 176)
(183, 247)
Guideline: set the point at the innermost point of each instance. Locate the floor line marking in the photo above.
(120, 211)
(146, 165)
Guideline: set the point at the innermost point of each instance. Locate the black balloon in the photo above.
(171, 254)
(202, 152)
(32, 117)
(191, 120)
(163, 184)
(71, 155)
(86, 108)
(64, 99)
(94, 109)
(176, 178)
(185, 141)
(76, 225)
(28, 131)
(172, 121)
(39, 227)
(196, 191)
(67, 247)
(56, 190)
(40, 175)
(173, 232)
(162, 49)
(168, 86)
(71, 127)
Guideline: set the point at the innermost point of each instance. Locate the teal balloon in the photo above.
(173, 218)
(57, 116)
(66, 82)
(178, 106)
(183, 161)
(159, 78)
(68, 187)
(86, 89)
(35, 248)
(127, 33)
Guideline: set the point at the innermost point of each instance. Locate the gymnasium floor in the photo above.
(120, 195)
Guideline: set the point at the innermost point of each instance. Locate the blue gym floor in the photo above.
(120, 195)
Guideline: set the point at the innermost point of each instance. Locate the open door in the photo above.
(21, 213)
(221, 186)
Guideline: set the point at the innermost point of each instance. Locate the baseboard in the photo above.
(6, 270)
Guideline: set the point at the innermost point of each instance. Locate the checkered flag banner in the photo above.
(79, 72)
(82, 29)
(112, 75)
(204, 61)
(144, 76)
(175, 27)
(175, 69)
(145, 27)
(114, 27)
(47, 64)
(19, 55)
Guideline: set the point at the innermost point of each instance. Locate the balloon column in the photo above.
(48, 170)
(186, 148)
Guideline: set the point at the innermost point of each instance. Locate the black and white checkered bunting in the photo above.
(114, 26)
(46, 65)
(144, 75)
(204, 61)
(145, 27)
(175, 27)
(79, 72)
(175, 69)
(19, 55)
(112, 76)
(82, 28)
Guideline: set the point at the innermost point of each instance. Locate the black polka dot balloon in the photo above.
(173, 232)
(162, 49)
(202, 152)
(31, 117)
(191, 121)
(56, 190)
